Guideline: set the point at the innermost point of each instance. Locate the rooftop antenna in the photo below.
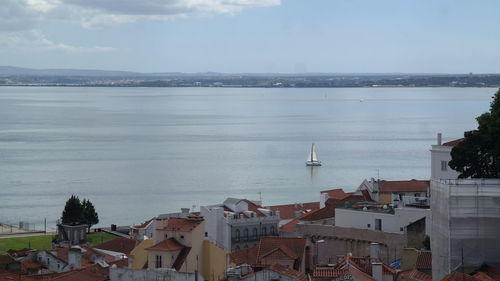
(260, 197)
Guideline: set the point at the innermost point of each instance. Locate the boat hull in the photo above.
(308, 163)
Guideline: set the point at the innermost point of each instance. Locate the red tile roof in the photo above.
(245, 256)
(30, 265)
(453, 142)
(15, 277)
(329, 272)
(337, 193)
(144, 224)
(292, 246)
(288, 211)
(458, 276)
(288, 272)
(182, 224)
(404, 186)
(6, 259)
(493, 272)
(62, 254)
(120, 244)
(279, 253)
(424, 260)
(417, 275)
(483, 277)
(167, 245)
(90, 273)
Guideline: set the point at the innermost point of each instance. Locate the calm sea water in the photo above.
(138, 152)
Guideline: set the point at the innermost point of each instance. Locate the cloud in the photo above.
(26, 14)
(35, 40)
(21, 20)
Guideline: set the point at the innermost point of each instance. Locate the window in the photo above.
(245, 234)
(158, 263)
(368, 225)
(378, 224)
(264, 231)
(166, 235)
(206, 234)
(401, 229)
(48, 261)
(255, 233)
(273, 230)
(417, 194)
(182, 236)
(444, 165)
(237, 234)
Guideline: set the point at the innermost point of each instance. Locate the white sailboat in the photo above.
(312, 158)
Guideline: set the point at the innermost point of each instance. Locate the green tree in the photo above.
(478, 155)
(72, 213)
(90, 216)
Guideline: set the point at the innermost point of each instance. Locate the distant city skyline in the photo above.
(252, 36)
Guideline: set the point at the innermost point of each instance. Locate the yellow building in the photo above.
(138, 257)
(214, 261)
(178, 244)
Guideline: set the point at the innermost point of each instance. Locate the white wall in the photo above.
(150, 274)
(390, 222)
(441, 153)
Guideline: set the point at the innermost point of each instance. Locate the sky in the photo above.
(253, 36)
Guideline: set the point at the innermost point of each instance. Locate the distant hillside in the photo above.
(12, 70)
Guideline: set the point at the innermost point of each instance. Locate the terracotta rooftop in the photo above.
(415, 274)
(120, 244)
(144, 224)
(62, 254)
(453, 142)
(329, 273)
(14, 277)
(404, 186)
(288, 272)
(424, 260)
(182, 224)
(245, 256)
(337, 193)
(458, 276)
(292, 247)
(6, 259)
(167, 245)
(483, 277)
(288, 211)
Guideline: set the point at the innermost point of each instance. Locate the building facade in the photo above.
(465, 224)
(239, 223)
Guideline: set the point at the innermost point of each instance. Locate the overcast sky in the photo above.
(288, 36)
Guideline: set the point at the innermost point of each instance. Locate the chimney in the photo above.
(377, 273)
(75, 254)
(439, 138)
(374, 250)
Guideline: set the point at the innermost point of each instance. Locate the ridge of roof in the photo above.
(453, 142)
(167, 245)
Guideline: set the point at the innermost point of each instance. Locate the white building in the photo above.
(440, 157)
(238, 223)
(465, 224)
(376, 217)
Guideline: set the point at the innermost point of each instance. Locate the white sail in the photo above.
(312, 158)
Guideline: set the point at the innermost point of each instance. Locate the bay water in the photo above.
(139, 152)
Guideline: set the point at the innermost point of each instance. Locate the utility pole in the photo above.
(45, 224)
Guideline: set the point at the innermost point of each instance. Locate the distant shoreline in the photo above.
(257, 81)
